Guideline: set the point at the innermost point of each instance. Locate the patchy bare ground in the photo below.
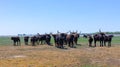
(49, 56)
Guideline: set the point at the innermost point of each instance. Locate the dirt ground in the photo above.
(49, 56)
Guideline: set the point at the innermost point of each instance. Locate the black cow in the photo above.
(59, 39)
(33, 40)
(16, 41)
(26, 40)
(108, 39)
(46, 38)
(41, 39)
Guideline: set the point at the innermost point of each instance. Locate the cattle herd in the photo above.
(61, 39)
(101, 37)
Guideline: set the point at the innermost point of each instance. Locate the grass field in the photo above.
(49, 56)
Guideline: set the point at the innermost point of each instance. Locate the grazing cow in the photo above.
(16, 41)
(90, 39)
(108, 39)
(26, 39)
(70, 40)
(33, 40)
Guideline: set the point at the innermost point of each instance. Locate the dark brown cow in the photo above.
(70, 40)
(99, 37)
(76, 36)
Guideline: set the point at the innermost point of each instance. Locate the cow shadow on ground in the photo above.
(79, 44)
(65, 48)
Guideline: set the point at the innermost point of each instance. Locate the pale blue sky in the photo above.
(44, 16)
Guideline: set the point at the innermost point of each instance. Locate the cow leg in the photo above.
(33, 43)
(69, 43)
(14, 43)
(104, 43)
(101, 44)
(55, 44)
(90, 43)
(61, 43)
(72, 45)
(95, 43)
(41, 42)
(65, 42)
(109, 44)
(26, 43)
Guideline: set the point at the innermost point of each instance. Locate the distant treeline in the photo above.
(115, 33)
(110, 32)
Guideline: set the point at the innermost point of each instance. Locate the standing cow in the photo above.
(90, 39)
(70, 40)
(16, 41)
(76, 36)
(108, 39)
(46, 38)
(59, 39)
(99, 37)
(26, 40)
(33, 40)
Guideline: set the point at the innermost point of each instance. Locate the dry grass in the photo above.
(49, 56)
